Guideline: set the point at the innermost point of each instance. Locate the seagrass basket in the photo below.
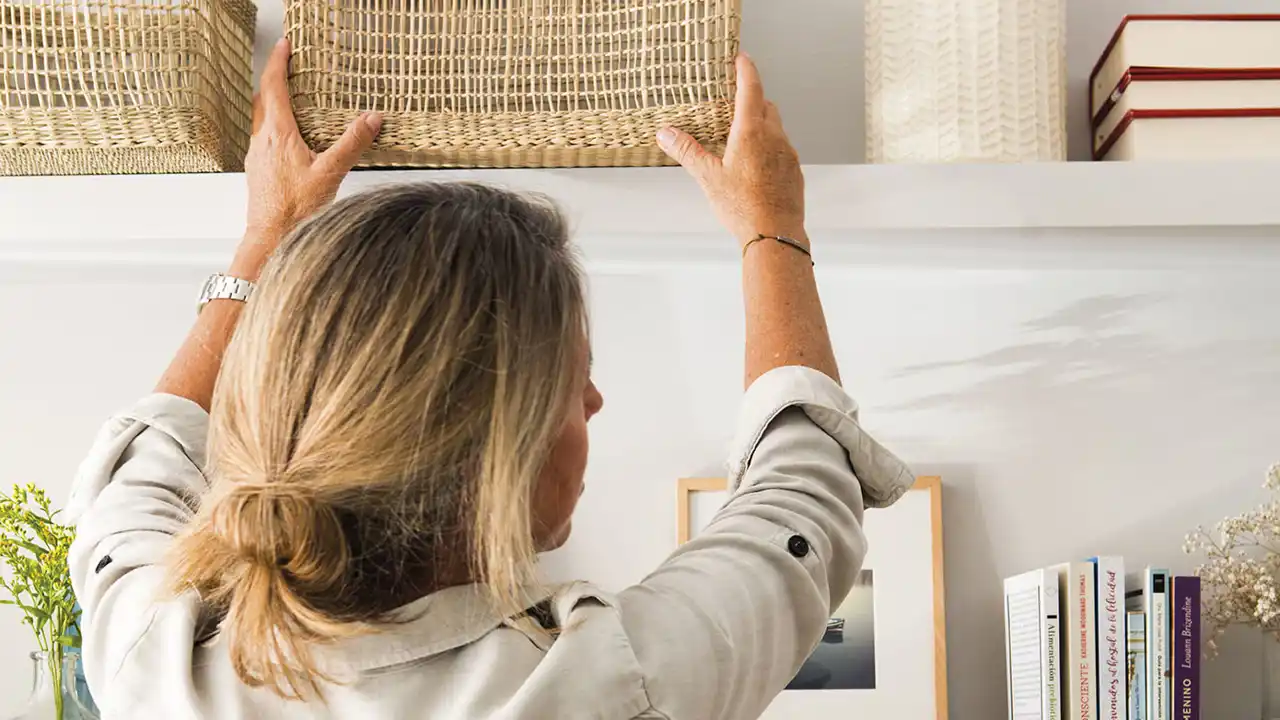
(124, 86)
(514, 83)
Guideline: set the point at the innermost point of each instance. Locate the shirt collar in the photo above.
(440, 622)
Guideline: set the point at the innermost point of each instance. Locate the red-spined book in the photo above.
(1177, 90)
(1186, 648)
(1212, 134)
(1185, 42)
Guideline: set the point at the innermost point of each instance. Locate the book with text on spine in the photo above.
(1136, 667)
(1077, 595)
(1113, 691)
(1185, 655)
(1032, 646)
(1150, 594)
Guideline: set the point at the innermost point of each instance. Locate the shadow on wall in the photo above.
(1085, 404)
(1085, 388)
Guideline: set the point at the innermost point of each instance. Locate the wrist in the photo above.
(253, 253)
(247, 265)
(796, 233)
(778, 245)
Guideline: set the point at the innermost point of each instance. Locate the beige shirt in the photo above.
(715, 632)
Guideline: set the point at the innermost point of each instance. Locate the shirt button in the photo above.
(798, 546)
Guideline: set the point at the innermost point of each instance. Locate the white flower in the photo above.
(1241, 572)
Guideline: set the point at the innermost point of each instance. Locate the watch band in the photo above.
(224, 287)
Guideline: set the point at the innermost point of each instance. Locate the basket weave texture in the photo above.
(514, 83)
(966, 80)
(124, 86)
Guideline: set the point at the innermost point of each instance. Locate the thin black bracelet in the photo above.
(784, 240)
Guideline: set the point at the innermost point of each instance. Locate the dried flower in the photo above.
(1239, 578)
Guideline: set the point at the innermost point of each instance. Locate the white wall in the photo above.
(1033, 372)
(1032, 391)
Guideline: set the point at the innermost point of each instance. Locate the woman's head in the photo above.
(403, 407)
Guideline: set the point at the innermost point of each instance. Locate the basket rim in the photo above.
(243, 12)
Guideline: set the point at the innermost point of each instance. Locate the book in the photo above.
(1076, 593)
(1207, 42)
(1186, 648)
(1137, 665)
(1151, 596)
(1109, 587)
(1032, 646)
(1156, 89)
(1215, 134)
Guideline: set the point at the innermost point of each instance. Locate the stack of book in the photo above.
(1085, 641)
(1179, 87)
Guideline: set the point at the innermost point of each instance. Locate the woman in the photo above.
(399, 425)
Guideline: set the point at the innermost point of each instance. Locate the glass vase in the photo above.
(1270, 677)
(58, 690)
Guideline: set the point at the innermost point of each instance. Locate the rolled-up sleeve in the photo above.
(139, 485)
(728, 620)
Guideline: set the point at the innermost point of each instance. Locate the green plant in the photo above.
(34, 545)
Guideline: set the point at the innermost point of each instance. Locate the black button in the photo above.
(798, 546)
(105, 561)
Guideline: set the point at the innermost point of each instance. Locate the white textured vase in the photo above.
(966, 81)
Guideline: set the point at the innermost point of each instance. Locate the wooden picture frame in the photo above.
(931, 486)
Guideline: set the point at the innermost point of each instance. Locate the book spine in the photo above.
(1186, 648)
(1084, 642)
(1158, 700)
(1137, 665)
(1052, 651)
(1112, 692)
(1010, 695)
(1025, 640)
(1069, 625)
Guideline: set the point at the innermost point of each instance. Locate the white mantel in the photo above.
(194, 220)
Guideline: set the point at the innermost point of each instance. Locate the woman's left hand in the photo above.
(288, 182)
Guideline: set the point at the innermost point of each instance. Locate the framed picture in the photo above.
(884, 653)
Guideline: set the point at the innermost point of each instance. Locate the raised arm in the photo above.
(724, 624)
(288, 182)
(758, 189)
(143, 479)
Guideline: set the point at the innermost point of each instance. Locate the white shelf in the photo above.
(197, 218)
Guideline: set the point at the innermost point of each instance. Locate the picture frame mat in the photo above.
(911, 530)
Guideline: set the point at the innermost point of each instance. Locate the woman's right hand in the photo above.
(288, 182)
(757, 188)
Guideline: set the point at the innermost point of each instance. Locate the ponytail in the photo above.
(258, 552)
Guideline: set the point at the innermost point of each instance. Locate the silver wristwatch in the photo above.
(224, 287)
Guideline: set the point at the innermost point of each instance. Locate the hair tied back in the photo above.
(271, 524)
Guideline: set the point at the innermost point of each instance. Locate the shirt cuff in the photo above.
(884, 478)
(179, 418)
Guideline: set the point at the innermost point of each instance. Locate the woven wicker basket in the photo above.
(966, 80)
(514, 83)
(124, 86)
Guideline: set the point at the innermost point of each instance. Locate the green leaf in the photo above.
(32, 548)
(69, 641)
(34, 612)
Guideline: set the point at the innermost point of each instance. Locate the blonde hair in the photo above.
(387, 403)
